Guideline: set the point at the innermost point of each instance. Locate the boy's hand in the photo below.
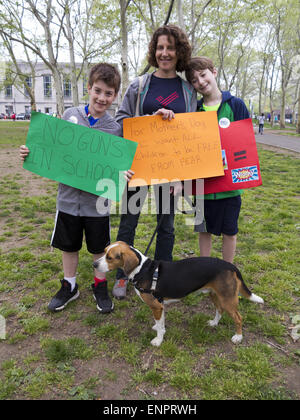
(166, 114)
(128, 175)
(24, 152)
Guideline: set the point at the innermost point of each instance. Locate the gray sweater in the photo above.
(72, 200)
(128, 107)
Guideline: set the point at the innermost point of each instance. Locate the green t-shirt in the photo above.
(225, 112)
(212, 107)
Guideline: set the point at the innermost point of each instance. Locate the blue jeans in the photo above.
(131, 209)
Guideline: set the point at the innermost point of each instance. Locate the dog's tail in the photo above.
(244, 291)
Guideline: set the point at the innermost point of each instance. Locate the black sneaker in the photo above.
(104, 302)
(63, 296)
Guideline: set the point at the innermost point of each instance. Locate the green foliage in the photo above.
(66, 350)
(77, 353)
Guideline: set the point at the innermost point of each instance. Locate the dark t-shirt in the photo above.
(164, 93)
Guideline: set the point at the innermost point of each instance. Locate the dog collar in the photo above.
(135, 279)
(154, 281)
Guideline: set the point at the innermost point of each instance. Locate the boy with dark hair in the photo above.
(221, 210)
(76, 209)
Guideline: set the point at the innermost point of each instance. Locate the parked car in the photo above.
(2, 116)
(20, 116)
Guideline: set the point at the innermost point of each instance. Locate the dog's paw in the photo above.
(212, 323)
(156, 341)
(237, 338)
(154, 327)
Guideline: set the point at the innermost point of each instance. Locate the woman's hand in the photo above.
(166, 114)
(24, 152)
(176, 188)
(128, 175)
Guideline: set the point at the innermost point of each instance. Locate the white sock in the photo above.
(72, 281)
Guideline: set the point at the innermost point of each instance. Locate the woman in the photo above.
(164, 93)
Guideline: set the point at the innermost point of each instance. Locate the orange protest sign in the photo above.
(187, 147)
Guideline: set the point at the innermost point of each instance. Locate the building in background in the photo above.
(16, 100)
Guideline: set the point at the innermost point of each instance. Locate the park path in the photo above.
(278, 140)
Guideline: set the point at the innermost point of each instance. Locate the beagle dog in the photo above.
(160, 282)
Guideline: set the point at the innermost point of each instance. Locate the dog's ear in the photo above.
(130, 262)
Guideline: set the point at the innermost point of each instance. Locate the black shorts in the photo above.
(221, 216)
(68, 233)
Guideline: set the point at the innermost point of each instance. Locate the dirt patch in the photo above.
(24, 184)
(291, 377)
(31, 184)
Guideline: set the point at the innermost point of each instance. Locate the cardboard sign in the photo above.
(78, 156)
(240, 159)
(187, 147)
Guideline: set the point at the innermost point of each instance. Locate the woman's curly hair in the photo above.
(183, 47)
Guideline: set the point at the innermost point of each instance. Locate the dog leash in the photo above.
(154, 233)
(192, 211)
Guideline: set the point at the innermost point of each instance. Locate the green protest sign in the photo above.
(81, 157)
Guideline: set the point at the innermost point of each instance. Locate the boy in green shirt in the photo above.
(221, 210)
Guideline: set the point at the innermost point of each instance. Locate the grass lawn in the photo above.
(81, 354)
(13, 133)
(289, 130)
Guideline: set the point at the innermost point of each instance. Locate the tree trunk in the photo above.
(282, 111)
(52, 63)
(180, 15)
(260, 93)
(124, 54)
(73, 76)
(298, 122)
